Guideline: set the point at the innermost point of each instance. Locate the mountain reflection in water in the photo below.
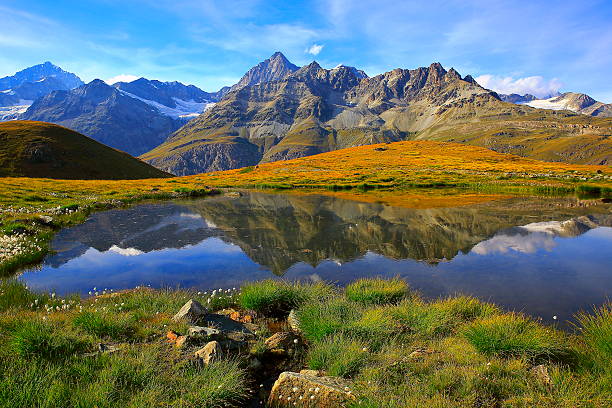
(543, 256)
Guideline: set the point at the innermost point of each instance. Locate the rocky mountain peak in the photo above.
(470, 79)
(578, 100)
(274, 68)
(311, 69)
(96, 91)
(357, 72)
(453, 74)
(39, 72)
(435, 73)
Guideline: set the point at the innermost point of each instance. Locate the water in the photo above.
(546, 257)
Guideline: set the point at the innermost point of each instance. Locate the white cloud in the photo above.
(121, 78)
(535, 85)
(315, 49)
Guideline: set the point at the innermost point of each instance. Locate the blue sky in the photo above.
(534, 46)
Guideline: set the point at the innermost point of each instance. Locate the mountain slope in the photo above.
(410, 164)
(37, 149)
(314, 110)
(107, 115)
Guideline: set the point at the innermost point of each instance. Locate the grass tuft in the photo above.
(39, 339)
(320, 319)
(116, 326)
(273, 297)
(339, 355)
(371, 291)
(514, 334)
(596, 330)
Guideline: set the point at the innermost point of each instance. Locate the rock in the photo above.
(181, 341)
(281, 341)
(103, 349)
(293, 389)
(204, 333)
(293, 321)
(210, 352)
(192, 311)
(45, 220)
(313, 373)
(243, 318)
(233, 194)
(540, 372)
(236, 339)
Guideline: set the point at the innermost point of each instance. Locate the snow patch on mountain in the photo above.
(555, 103)
(12, 112)
(184, 109)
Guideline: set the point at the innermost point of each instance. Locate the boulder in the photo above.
(282, 341)
(192, 311)
(210, 352)
(45, 220)
(204, 333)
(302, 390)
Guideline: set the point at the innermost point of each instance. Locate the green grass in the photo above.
(45, 341)
(596, 332)
(115, 326)
(279, 297)
(13, 228)
(377, 291)
(515, 335)
(452, 352)
(41, 339)
(320, 319)
(338, 355)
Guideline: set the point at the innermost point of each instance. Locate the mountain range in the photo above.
(131, 116)
(279, 111)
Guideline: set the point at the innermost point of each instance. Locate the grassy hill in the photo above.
(39, 149)
(412, 164)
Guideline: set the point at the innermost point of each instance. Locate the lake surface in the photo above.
(546, 257)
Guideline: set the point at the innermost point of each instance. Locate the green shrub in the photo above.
(320, 319)
(273, 297)
(39, 339)
(515, 335)
(338, 355)
(377, 291)
(596, 332)
(114, 326)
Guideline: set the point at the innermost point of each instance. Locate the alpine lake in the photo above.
(545, 256)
